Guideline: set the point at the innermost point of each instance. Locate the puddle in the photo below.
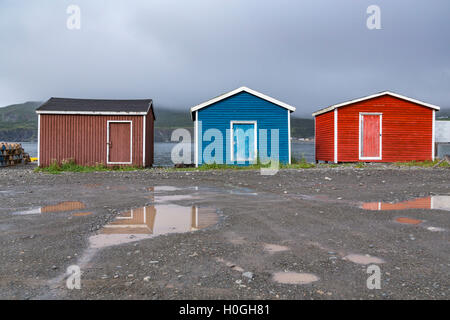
(432, 202)
(82, 214)
(60, 207)
(175, 197)
(363, 259)
(164, 189)
(435, 229)
(148, 222)
(274, 248)
(408, 220)
(294, 278)
(5, 227)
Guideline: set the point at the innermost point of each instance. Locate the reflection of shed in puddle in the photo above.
(60, 207)
(432, 202)
(148, 222)
(161, 219)
(64, 206)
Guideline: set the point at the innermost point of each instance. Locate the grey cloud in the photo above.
(306, 53)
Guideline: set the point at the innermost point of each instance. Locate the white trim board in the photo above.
(238, 90)
(289, 134)
(107, 141)
(39, 141)
(144, 138)
(361, 115)
(121, 113)
(433, 136)
(255, 138)
(330, 108)
(335, 135)
(196, 139)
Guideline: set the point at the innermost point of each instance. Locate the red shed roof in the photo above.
(330, 108)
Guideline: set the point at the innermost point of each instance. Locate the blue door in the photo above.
(244, 142)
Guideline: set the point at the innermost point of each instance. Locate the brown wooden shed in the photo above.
(92, 131)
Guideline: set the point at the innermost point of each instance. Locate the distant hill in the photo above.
(302, 128)
(443, 114)
(18, 122)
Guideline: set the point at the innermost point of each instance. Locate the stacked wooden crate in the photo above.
(12, 154)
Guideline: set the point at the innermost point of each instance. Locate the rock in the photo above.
(328, 178)
(248, 274)
(147, 279)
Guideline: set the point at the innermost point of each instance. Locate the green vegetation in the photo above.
(171, 118)
(360, 165)
(302, 128)
(18, 122)
(71, 166)
(423, 164)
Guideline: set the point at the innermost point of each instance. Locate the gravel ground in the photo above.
(310, 219)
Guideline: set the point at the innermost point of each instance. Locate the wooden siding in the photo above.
(324, 138)
(83, 138)
(149, 141)
(245, 107)
(406, 130)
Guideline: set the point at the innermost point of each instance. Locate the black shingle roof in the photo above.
(96, 105)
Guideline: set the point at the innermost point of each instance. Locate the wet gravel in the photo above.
(314, 213)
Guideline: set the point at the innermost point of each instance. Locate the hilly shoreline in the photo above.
(18, 122)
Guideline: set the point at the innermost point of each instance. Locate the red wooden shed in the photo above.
(384, 127)
(110, 132)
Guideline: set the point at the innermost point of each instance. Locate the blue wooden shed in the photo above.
(240, 127)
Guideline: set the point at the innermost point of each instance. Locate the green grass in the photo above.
(296, 164)
(423, 164)
(71, 166)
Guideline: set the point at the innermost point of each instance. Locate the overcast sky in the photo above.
(309, 54)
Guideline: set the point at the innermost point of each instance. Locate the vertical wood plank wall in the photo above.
(324, 128)
(83, 138)
(406, 129)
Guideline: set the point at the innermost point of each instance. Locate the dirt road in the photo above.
(301, 234)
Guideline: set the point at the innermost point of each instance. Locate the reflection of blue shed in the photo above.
(241, 126)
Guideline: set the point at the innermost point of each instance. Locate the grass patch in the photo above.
(423, 164)
(295, 164)
(360, 165)
(71, 166)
